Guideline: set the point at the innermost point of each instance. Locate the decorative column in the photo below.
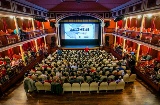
(115, 38)
(142, 22)
(16, 24)
(138, 49)
(45, 44)
(43, 27)
(57, 31)
(33, 24)
(36, 45)
(116, 28)
(102, 29)
(125, 27)
(22, 54)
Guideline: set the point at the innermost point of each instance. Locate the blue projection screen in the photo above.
(79, 31)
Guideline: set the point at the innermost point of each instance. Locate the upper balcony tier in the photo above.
(8, 40)
(146, 37)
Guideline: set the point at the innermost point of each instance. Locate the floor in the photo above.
(137, 93)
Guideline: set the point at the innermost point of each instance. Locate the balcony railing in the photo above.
(9, 39)
(147, 37)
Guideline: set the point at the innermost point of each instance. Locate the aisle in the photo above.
(134, 94)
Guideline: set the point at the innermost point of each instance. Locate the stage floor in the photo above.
(80, 47)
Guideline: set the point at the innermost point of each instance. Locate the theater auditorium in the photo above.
(79, 52)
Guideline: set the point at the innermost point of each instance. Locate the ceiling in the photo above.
(78, 5)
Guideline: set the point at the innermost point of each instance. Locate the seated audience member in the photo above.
(21, 33)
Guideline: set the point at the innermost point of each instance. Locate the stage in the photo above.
(79, 47)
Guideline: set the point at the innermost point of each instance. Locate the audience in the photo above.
(74, 66)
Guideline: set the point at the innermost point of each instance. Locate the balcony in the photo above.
(9, 39)
(150, 39)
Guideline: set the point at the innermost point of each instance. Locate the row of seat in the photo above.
(83, 87)
(131, 78)
(93, 86)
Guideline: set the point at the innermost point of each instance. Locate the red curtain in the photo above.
(136, 22)
(24, 25)
(29, 24)
(128, 22)
(10, 53)
(4, 24)
(120, 23)
(39, 24)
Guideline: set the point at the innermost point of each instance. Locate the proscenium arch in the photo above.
(59, 18)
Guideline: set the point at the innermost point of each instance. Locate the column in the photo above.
(102, 26)
(36, 45)
(16, 24)
(45, 44)
(43, 27)
(22, 54)
(142, 22)
(116, 28)
(115, 37)
(57, 31)
(33, 24)
(138, 49)
(125, 27)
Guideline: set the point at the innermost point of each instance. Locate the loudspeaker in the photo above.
(107, 24)
(118, 18)
(107, 40)
(52, 24)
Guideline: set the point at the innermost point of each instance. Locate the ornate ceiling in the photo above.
(78, 5)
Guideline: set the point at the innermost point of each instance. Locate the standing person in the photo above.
(86, 50)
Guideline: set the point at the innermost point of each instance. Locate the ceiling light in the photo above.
(149, 15)
(11, 17)
(139, 16)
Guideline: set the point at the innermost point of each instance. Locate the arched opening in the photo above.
(80, 31)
